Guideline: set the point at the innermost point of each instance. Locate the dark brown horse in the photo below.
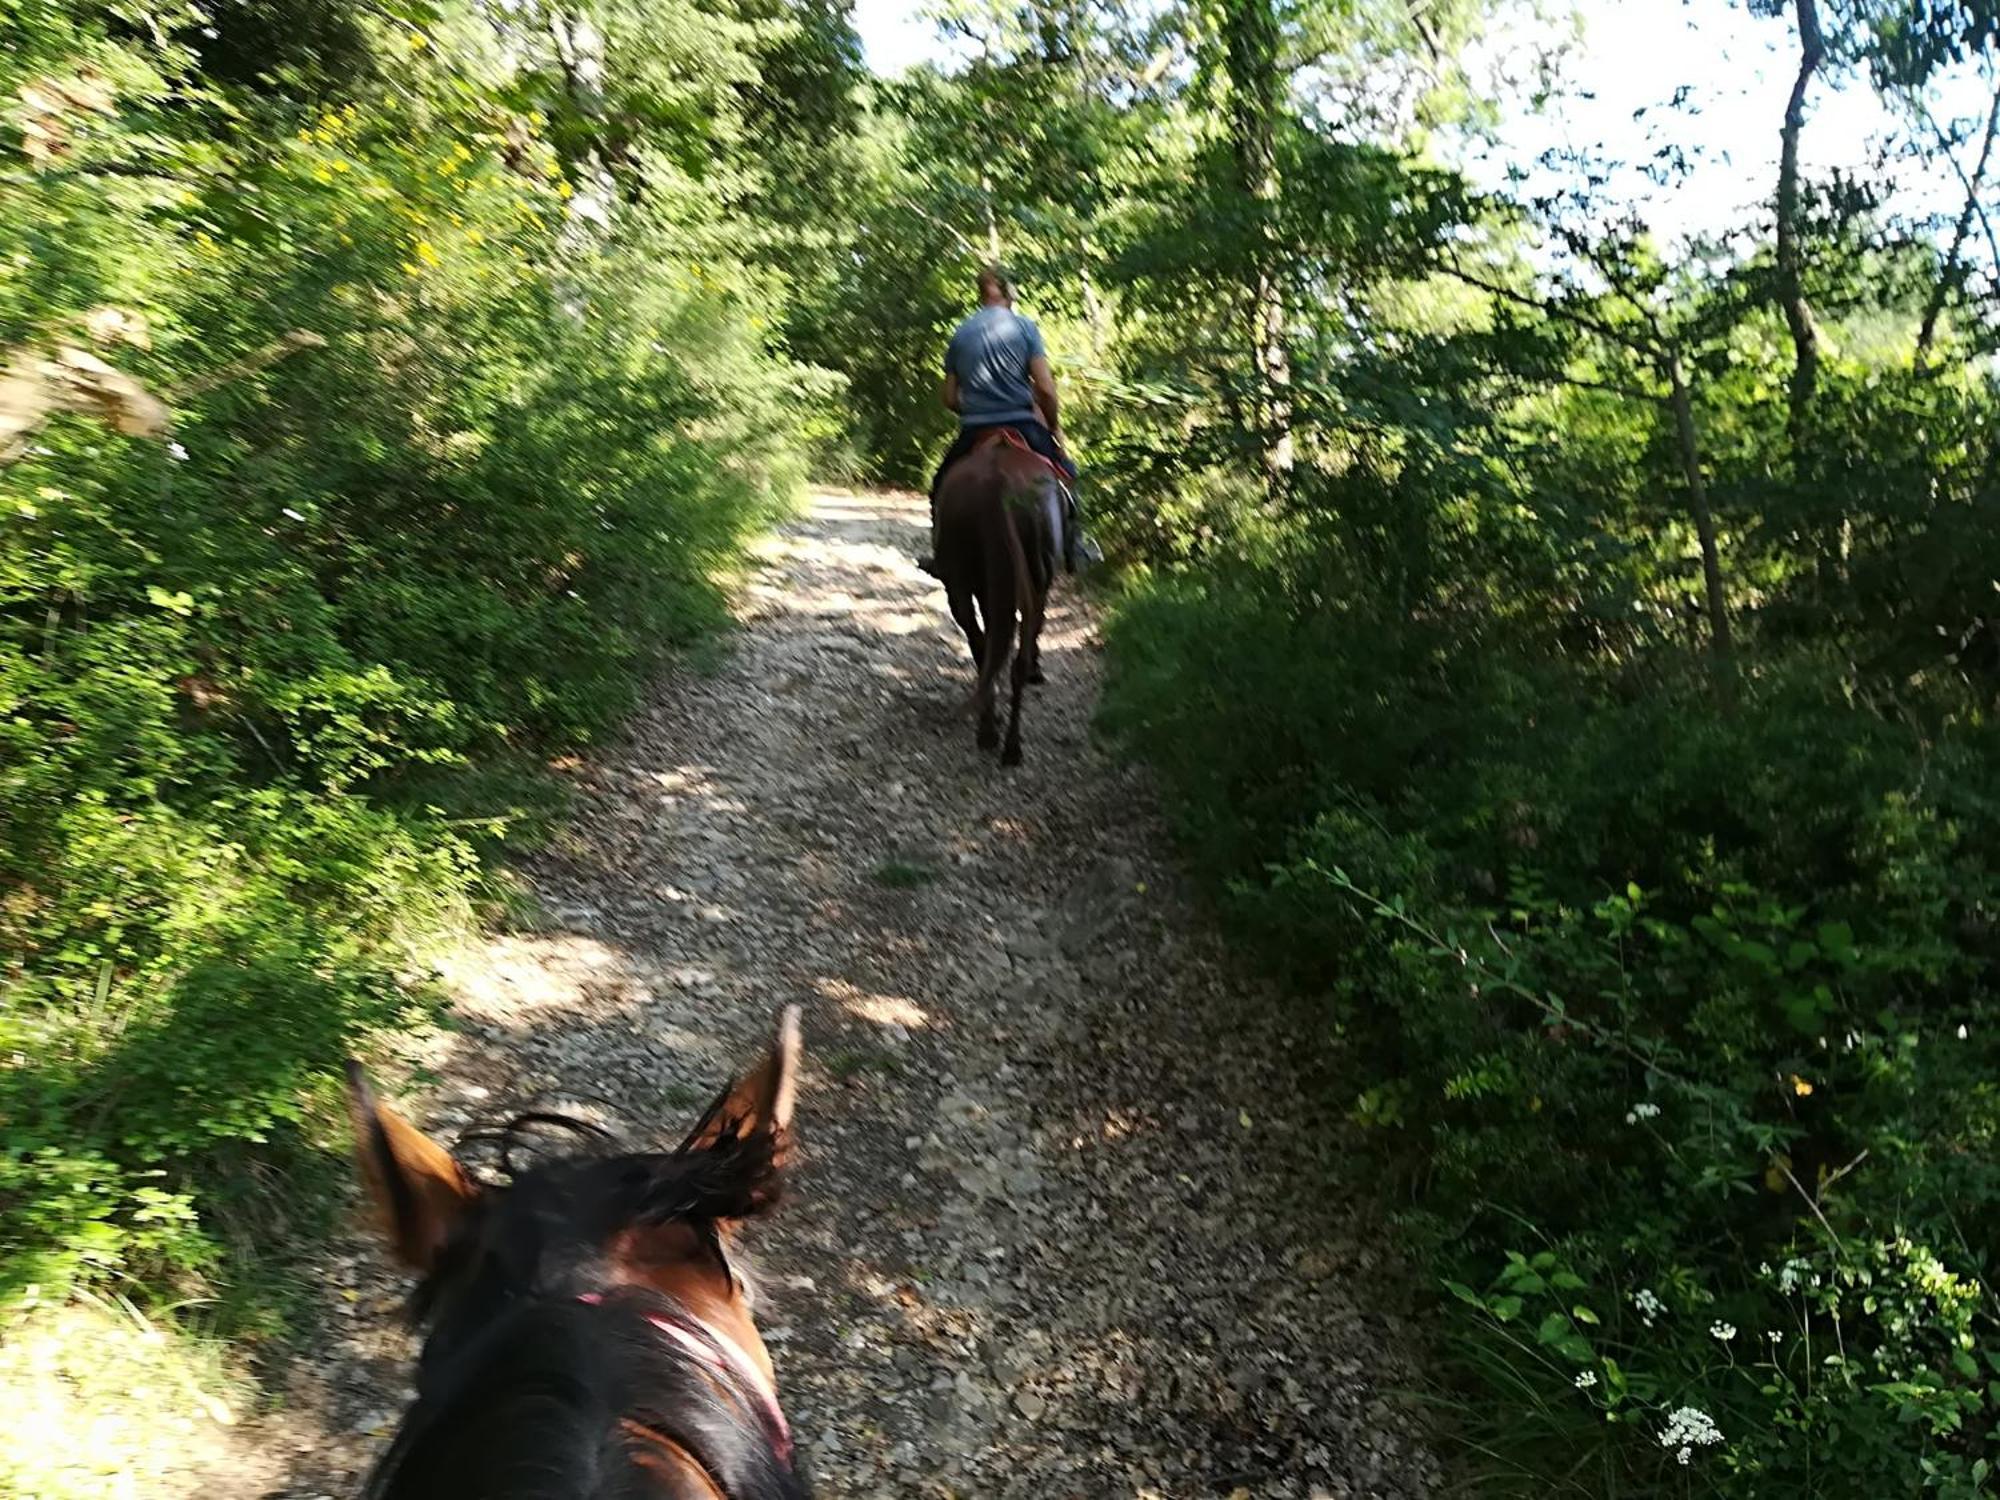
(587, 1329)
(998, 531)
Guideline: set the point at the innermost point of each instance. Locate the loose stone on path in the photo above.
(1032, 1250)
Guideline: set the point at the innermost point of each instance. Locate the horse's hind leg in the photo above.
(968, 621)
(989, 721)
(1011, 756)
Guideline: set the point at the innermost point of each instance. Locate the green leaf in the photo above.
(1763, 955)
(1555, 1326)
(1506, 1309)
(1614, 1378)
(1584, 1315)
(1465, 1293)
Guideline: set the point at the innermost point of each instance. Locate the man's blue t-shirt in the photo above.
(989, 354)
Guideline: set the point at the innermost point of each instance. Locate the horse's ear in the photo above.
(419, 1190)
(757, 1108)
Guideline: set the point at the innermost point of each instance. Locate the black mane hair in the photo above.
(536, 1364)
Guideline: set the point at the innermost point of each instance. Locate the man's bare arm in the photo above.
(950, 393)
(1043, 380)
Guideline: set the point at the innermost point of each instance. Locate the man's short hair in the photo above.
(994, 275)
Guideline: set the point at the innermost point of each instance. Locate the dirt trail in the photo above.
(1061, 1228)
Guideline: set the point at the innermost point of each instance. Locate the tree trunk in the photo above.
(992, 222)
(587, 214)
(1256, 96)
(1093, 307)
(1791, 289)
(1688, 449)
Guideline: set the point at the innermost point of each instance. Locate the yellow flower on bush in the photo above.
(427, 254)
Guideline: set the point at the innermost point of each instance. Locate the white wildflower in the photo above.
(1640, 1112)
(1688, 1428)
(295, 515)
(177, 453)
(1788, 1275)
(1776, 1335)
(1649, 1306)
(1961, 1032)
(1723, 1331)
(1586, 1380)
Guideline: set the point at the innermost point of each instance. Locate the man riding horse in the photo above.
(996, 375)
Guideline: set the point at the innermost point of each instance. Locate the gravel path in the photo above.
(1067, 1222)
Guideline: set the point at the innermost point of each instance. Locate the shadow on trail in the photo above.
(1034, 1250)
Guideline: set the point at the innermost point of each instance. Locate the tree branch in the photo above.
(971, 250)
(1964, 226)
(1555, 310)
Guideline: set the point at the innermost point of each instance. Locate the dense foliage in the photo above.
(1569, 649)
(387, 388)
(1568, 653)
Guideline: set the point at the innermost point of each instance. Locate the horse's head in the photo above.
(603, 1281)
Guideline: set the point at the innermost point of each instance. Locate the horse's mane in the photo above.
(538, 1383)
(547, 1404)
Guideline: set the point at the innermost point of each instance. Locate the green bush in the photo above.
(1677, 1012)
(273, 681)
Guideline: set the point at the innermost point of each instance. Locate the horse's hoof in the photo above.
(1011, 756)
(1035, 678)
(988, 738)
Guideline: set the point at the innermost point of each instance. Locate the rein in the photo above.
(724, 1356)
(1014, 440)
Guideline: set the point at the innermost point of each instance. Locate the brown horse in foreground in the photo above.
(587, 1330)
(999, 530)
